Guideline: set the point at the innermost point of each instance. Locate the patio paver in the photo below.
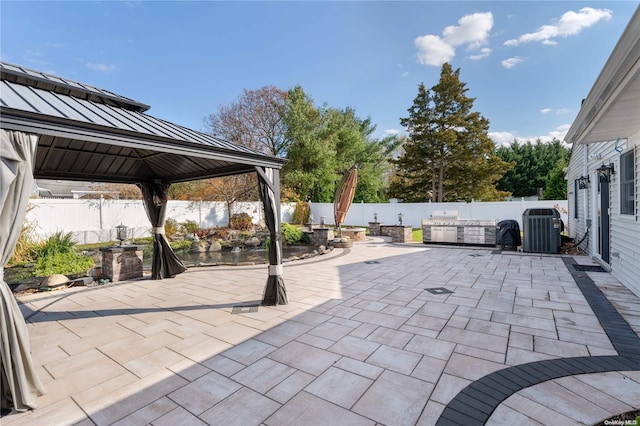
(359, 343)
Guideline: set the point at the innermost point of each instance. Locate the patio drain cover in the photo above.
(589, 268)
(371, 262)
(438, 290)
(244, 309)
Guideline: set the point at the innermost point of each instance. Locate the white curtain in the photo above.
(20, 385)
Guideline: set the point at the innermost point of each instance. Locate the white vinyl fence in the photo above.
(93, 221)
(360, 214)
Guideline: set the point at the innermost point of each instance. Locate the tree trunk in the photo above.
(229, 209)
(441, 180)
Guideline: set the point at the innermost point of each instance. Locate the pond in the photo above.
(15, 275)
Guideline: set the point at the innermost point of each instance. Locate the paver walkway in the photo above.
(381, 334)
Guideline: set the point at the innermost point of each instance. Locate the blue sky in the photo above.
(528, 64)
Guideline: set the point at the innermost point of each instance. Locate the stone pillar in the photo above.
(398, 233)
(321, 236)
(374, 229)
(120, 263)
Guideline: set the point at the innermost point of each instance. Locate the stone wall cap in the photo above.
(127, 247)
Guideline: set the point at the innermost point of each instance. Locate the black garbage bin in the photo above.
(508, 234)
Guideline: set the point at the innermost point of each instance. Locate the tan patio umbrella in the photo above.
(344, 196)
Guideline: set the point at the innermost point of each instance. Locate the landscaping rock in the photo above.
(252, 242)
(81, 282)
(198, 246)
(215, 246)
(29, 283)
(55, 280)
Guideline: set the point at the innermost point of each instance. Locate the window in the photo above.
(627, 189)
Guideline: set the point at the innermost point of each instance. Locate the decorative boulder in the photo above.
(55, 280)
(252, 242)
(198, 246)
(215, 246)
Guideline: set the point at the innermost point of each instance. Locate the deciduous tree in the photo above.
(255, 120)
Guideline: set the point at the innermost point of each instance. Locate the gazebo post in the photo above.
(275, 292)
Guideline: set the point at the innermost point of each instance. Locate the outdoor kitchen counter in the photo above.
(446, 227)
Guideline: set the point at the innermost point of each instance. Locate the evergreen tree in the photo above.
(449, 155)
(533, 164)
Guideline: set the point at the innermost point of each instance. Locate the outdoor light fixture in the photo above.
(400, 216)
(375, 217)
(583, 182)
(322, 221)
(604, 172)
(121, 233)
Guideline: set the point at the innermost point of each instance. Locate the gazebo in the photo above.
(55, 128)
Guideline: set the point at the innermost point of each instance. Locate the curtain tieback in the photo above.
(276, 269)
(157, 230)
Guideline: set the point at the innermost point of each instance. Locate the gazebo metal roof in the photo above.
(90, 134)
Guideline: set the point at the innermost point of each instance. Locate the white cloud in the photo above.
(404, 74)
(512, 62)
(100, 67)
(472, 30)
(484, 52)
(570, 23)
(389, 132)
(502, 138)
(559, 133)
(558, 111)
(506, 138)
(432, 50)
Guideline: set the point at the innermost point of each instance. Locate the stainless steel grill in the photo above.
(445, 226)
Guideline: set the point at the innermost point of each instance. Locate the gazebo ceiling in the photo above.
(90, 134)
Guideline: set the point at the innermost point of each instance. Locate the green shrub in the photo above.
(57, 243)
(240, 221)
(179, 246)
(292, 235)
(190, 226)
(65, 263)
(301, 213)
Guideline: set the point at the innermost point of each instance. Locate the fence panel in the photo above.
(92, 221)
(413, 213)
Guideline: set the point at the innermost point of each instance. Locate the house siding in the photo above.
(624, 229)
